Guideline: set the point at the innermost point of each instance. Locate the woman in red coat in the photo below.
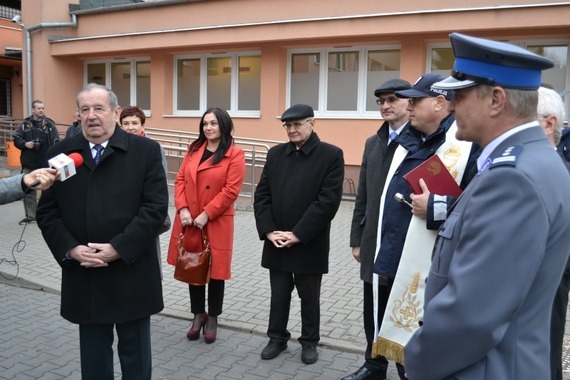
(207, 185)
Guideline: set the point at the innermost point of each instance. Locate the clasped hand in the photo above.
(94, 255)
(282, 239)
(200, 221)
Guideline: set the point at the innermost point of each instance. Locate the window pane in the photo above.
(143, 85)
(219, 82)
(96, 73)
(382, 65)
(249, 83)
(188, 82)
(556, 76)
(342, 91)
(121, 82)
(305, 79)
(442, 60)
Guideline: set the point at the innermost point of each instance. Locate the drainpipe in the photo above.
(28, 43)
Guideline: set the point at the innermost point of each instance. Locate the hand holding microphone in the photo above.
(41, 179)
(64, 165)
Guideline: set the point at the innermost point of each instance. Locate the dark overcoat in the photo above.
(376, 161)
(299, 191)
(122, 201)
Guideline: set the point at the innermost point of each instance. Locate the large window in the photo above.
(440, 60)
(228, 81)
(557, 76)
(129, 80)
(340, 82)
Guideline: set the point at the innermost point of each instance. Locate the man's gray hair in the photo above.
(521, 102)
(113, 101)
(551, 104)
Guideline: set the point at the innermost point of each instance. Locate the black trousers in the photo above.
(309, 291)
(134, 349)
(215, 298)
(557, 324)
(378, 364)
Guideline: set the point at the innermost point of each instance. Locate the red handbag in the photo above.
(193, 267)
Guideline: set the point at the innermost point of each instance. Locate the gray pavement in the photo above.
(36, 343)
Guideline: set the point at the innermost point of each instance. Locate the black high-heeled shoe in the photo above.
(194, 333)
(211, 330)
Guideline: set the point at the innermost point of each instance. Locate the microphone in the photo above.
(400, 198)
(65, 165)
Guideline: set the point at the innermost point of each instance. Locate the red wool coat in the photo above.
(213, 188)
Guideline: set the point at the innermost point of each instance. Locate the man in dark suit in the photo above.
(376, 159)
(100, 226)
(500, 254)
(297, 197)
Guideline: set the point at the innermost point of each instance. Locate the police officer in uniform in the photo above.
(499, 256)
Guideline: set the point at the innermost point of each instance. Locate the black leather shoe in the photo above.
(364, 373)
(26, 220)
(309, 354)
(272, 350)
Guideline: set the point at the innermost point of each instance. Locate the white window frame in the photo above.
(524, 44)
(430, 47)
(323, 53)
(133, 73)
(233, 111)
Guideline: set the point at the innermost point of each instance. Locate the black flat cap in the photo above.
(297, 112)
(392, 85)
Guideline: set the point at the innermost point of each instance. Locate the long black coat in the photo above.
(299, 191)
(122, 201)
(376, 161)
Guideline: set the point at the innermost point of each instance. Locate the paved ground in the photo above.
(36, 343)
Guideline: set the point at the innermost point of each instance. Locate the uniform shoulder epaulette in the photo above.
(509, 157)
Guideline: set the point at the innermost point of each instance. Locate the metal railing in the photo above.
(175, 144)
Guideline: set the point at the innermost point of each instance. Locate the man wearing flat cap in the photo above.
(297, 197)
(378, 153)
(499, 256)
(402, 231)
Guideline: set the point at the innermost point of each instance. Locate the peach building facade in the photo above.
(256, 57)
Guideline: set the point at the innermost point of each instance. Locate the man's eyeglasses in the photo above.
(389, 99)
(414, 101)
(295, 124)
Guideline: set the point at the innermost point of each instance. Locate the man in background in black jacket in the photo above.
(33, 137)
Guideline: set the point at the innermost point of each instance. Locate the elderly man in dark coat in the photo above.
(298, 195)
(100, 226)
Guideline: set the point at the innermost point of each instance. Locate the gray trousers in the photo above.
(31, 199)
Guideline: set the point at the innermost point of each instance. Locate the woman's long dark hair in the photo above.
(226, 128)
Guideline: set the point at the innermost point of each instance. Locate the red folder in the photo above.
(436, 176)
